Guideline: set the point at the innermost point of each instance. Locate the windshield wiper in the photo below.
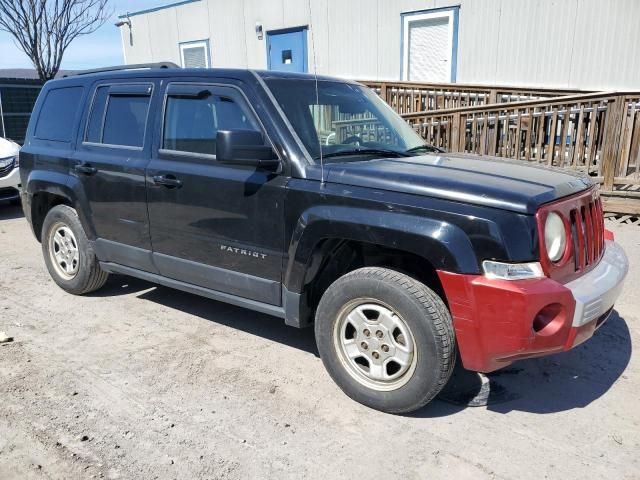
(425, 148)
(365, 151)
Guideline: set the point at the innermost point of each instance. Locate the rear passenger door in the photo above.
(110, 163)
(214, 225)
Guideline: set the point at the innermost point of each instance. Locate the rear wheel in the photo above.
(68, 254)
(386, 339)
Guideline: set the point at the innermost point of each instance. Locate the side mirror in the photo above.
(244, 147)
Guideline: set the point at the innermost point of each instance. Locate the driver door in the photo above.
(214, 225)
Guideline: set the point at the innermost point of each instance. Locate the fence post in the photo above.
(611, 140)
(454, 146)
(383, 92)
(493, 96)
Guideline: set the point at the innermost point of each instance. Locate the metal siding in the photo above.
(556, 43)
(140, 51)
(609, 38)
(270, 15)
(163, 35)
(353, 34)
(228, 42)
(193, 21)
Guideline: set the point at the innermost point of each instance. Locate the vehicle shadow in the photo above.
(259, 324)
(118, 285)
(557, 383)
(551, 384)
(10, 212)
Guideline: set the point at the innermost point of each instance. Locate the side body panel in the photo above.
(222, 228)
(452, 236)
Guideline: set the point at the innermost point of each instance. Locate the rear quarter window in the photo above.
(58, 114)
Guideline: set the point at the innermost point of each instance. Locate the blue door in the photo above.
(287, 50)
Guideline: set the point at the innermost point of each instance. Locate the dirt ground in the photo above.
(142, 382)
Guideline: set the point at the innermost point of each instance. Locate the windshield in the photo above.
(344, 121)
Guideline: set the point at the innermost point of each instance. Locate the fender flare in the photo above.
(64, 186)
(445, 245)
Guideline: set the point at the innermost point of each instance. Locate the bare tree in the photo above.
(44, 29)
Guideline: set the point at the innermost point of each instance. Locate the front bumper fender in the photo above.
(494, 319)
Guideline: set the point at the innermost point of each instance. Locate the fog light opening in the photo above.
(549, 320)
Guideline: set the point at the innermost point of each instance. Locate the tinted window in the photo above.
(58, 114)
(192, 123)
(125, 120)
(94, 127)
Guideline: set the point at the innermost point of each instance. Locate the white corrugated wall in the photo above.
(588, 44)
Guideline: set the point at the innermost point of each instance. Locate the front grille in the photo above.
(585, 235)
(587, 226)
(7, 170)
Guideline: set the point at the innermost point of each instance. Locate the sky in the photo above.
(103, 47)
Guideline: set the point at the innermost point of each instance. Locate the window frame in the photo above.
(236, 93)
(196, 43)
(123, 85)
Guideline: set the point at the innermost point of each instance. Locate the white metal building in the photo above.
(589, 44)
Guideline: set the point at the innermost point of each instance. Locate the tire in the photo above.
(80, 272)
(399, 313)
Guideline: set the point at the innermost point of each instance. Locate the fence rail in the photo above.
(409, 97)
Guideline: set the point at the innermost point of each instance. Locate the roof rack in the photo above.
(116, 68)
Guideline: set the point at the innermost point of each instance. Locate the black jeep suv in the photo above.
(310, 199)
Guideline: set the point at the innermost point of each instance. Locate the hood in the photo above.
(8, 148)
(487, 181)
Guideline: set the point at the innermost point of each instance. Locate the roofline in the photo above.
(155, 9)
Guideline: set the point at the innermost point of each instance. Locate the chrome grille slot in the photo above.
(587, 228)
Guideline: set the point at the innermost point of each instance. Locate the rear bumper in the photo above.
(500, 321)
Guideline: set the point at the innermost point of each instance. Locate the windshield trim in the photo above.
(284, 117)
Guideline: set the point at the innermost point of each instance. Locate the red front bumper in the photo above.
(499, 321)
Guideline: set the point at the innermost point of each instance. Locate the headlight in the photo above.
(5, 162)
(555, 237)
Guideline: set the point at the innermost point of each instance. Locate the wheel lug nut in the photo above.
(366, 332)
(375, 355)
(364, 345)
(385, 348)
(379, 334)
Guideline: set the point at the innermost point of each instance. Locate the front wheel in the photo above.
(68, 254)
(386, 339)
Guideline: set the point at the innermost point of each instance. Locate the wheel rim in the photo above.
(375, 345)
(63, 251)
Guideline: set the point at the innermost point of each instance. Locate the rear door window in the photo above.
(58, 114)
(119, 115)
(194, 114)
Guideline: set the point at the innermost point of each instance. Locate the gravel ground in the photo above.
(140, 381)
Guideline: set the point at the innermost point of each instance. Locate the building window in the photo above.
(429, 45)
(195, 54)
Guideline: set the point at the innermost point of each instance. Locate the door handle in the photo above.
(86, 169)
(168, 181)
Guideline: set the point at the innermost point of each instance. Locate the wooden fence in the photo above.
(408, 97)
(595, 133)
